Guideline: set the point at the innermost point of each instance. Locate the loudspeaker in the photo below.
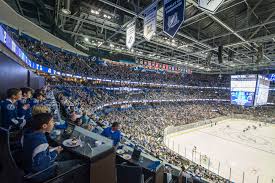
(259, 54)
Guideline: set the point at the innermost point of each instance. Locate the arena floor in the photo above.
(225, 145)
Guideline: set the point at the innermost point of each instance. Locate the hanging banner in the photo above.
(150, 21)
(173, 16)
(210, 5)
(130, 35)
(271, 77)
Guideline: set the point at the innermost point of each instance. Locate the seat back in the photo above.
(126, 174)
(9, 173)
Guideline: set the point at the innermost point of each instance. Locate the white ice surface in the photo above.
(251, 152)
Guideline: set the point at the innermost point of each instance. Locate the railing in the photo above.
(218, 166)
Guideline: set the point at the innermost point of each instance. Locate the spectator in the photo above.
(10, 118)
(85, 118)
(37, 109)
(36, 151)
(24, 103)
(73, 116)
(78, 122)
(37, 99)
(113, 133)
(38, 155)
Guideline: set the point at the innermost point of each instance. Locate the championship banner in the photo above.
(150, 21)
(210, 5)
(131, 35)
(173, 16)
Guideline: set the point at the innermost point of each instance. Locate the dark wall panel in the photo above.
(36, 81)
(11, 74)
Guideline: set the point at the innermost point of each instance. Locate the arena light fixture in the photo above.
(66, 8)
(66, 11)
(86, 39)
(174, 44)
(94, 12)
(183, 46)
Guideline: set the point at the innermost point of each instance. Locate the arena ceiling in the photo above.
(245, 29)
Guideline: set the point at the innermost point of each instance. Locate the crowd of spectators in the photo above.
(89, 97)
(145, 127)
(68, 62)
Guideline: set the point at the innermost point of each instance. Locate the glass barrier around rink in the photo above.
(219, 167)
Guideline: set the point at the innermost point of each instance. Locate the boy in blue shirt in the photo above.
(24, 103)
(10, 118)
(113, 133)
(37, 154)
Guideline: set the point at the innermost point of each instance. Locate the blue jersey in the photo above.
(21, 111)
(37, 156)
(10, 117)
(114, 135)
(34, 102)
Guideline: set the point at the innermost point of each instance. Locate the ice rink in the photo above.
(225, 148)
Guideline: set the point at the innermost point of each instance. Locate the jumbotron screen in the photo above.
(243, 89)
(262, 91)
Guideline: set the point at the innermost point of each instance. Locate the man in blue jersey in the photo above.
(37, 99)
(24, 103)
(10, 118)
(113, 133)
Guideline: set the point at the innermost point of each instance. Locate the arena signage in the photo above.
(271, 77)
(210, 5)
(150, 21)
(173, 16)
